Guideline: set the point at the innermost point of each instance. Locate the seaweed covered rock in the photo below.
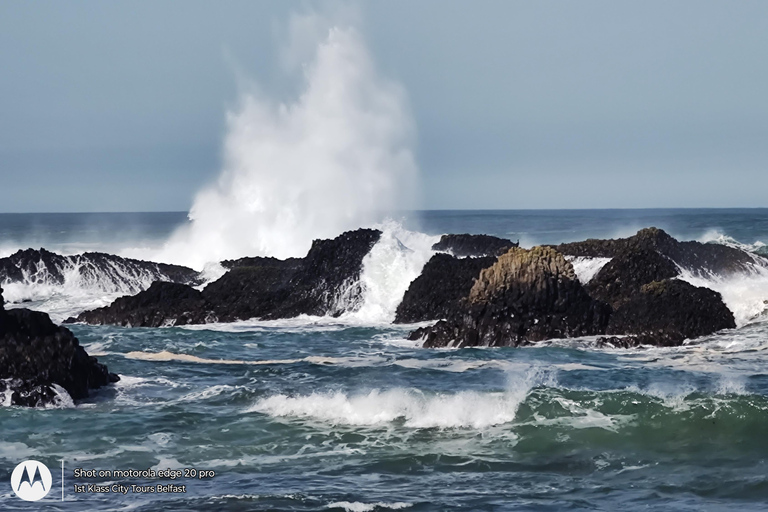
(437, 293)
(162, 304)
(36, 355)
(526, 296)
(669, 311)
(473, 245)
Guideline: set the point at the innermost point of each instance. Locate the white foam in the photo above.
(745, 294)
(357, 506)
(586, 268)
(85, 286)
(415, 408)
(393, 263)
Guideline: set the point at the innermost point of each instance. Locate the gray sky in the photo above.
(120, 106)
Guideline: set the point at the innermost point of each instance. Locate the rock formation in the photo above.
(106, 271)
(36, 356)
(669, 311)
(526, 296)
(325, 282)
(444, 281)
(698, 258)
(473, 245)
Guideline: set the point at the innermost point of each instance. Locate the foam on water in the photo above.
(586, 268)
(414, 407)
(357, 506)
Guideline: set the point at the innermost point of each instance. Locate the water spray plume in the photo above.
(335, 159)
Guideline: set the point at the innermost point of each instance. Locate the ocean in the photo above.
(320, 413)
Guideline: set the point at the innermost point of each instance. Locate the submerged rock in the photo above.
(36, 356)
(473, 245)
(526, 296)
(444, 281)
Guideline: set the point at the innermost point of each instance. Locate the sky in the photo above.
(121, 106)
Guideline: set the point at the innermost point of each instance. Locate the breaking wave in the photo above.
(413, 408)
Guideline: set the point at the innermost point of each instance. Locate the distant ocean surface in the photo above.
(317, 413)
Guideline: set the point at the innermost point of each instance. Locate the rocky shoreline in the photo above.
(480, 290)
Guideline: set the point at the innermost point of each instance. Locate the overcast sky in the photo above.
(120, 106)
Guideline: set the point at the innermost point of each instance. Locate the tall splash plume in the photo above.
(334, 159)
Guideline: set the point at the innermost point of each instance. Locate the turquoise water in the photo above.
(317, 414)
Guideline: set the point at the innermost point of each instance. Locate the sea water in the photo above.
(318, 413)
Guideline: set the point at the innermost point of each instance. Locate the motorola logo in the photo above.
(31, 480)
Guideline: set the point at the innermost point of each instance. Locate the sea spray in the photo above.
(414, 407)
(393, 263)
(334, 159)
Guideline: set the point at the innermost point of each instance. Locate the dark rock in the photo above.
(36, 355)
(526, 296)
(698, 258)
(671, 311)
(622, 277)
(261, 261)
(162, 304)
(109, 272)
(252, 290)
(438, 291)
(473, 245)
(326, 281)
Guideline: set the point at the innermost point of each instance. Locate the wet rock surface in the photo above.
(162, 304)
(36, 356)
(473, 245)
(671, 310)
(444, 281)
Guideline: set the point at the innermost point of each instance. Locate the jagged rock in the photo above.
(326, 281)
(473, 245)
(526, 296)
(162, 304)
(698, 258)
(669, 311)
(438, 290)
(36, 355)
(109, 272)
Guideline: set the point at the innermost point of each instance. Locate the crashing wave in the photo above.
(62, 285)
